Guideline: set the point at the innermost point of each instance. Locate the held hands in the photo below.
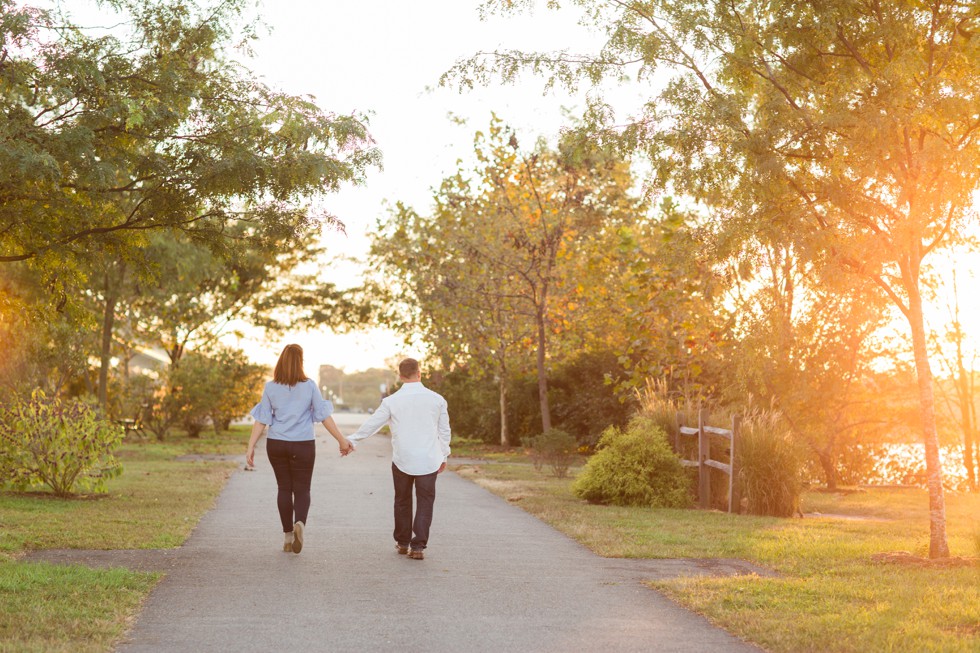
(346, 447)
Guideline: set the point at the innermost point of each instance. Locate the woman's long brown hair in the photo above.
(289, 369)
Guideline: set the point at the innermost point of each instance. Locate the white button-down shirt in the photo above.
(419, 423)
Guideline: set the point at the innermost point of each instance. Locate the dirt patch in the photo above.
(135, 559)
(466, 462)
(906, 558)
(203, 457)
(831, 515)
(670, 568)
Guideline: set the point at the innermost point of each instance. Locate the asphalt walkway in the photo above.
(494, 578)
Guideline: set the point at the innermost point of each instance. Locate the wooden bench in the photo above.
(134, 425)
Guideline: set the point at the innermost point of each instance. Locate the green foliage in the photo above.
(192, 398)
(48, 341)
(634, 467)
(583, 403)
(133, 397)
(154, 126)
(554, 448)
(828, 131)
(807, 348)
(154, 186)
(512, 264)
(586, 396)
(769, 466)
(64, 444)
(676, 314)
(236, 387)
(212, 388)
(473, 403)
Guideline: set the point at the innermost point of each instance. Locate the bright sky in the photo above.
(384, 58)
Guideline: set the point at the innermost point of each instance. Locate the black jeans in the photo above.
(425, 492)
(293, 464)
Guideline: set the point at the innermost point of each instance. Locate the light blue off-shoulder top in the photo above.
(291, 411)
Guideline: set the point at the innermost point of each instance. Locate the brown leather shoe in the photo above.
(401, 548)
(416, 554)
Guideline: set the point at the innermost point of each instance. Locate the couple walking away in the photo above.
(291, 404)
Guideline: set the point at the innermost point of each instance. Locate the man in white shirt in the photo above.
(420, 437)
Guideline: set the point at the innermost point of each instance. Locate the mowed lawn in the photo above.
(154, 504)
(829, 597)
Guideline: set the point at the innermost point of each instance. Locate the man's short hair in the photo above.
(408, 368)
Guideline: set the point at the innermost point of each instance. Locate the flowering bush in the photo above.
(64, 444)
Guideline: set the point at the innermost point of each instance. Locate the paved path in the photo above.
(494, 578)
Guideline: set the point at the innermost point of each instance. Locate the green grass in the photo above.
(830, 595)
(47, 608)
(468, 448)
(154, 504)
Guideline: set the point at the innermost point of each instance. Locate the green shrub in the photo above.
(193, 396)
(635, 467)
(554, 448)
(66, 445)
(212, 388)
(770, 465)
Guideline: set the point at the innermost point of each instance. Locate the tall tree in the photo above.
(434, 287)
(154, 126)
(805, 346)
(498, 241)
(852, 125)
(548, 206)
(960, 367)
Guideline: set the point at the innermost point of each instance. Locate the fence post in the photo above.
(734, 494)
(704, 472)
(677, 434)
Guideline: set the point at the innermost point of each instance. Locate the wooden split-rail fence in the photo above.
(705, 463)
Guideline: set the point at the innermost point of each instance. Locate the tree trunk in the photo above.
(829, 469)
(504, 430)
(175, 353)
(108, 320)
(543, 376)
(967, 424)
(938, 545)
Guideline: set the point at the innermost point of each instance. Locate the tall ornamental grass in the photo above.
(770, 466)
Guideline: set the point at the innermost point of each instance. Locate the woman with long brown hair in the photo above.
(291, 404)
